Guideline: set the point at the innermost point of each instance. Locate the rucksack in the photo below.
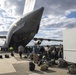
(12, 54)
(31, 66)
(72, 69)
(1, 56)
(6, 56)
(62, 63)
(44, 67)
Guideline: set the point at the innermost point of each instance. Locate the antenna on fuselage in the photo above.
(29, 6)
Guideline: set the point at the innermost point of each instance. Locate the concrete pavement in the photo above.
(16, 66)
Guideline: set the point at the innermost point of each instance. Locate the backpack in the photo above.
(12, 54)
(72, 69)
(62, 63)
(44, 67)
(31, 66)
(1, 56)
(6, 56)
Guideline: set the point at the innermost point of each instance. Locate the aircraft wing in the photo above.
(3, 34)
(41, 39)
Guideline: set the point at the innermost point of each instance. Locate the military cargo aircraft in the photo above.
(24, 29)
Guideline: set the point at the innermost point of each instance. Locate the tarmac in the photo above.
(16, 66)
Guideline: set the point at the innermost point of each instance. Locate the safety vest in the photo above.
(11, 48)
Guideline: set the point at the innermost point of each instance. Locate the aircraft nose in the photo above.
(40, 10)
(38, 13)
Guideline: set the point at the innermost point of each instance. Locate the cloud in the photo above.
(5, 20)
(50, 43)
(16, 8)
(56, 7)
(53, 7)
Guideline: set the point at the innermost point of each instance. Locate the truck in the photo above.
(69, 45)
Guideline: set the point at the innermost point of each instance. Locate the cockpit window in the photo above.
(15, 24)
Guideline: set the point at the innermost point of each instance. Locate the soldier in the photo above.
(11, 49)
(36, 52)
(20, 50)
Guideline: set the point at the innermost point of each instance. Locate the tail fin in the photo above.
(29, 6)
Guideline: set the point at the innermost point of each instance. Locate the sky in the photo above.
(58, 15)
